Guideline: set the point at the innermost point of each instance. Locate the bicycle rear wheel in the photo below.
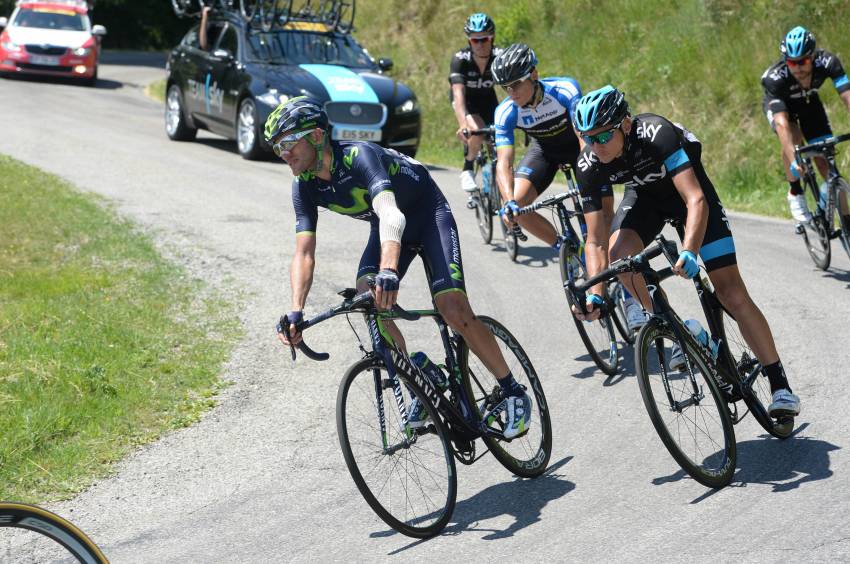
(484, 207)
(598, 335)
(755, 384)
(526, 455)
(842, 219)
(406, 476)
(616, 291)
(687, 409)
(816, 232)
(52, 526)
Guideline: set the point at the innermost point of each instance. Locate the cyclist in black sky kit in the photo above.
(794, 109)
(404, 207)
(659, 163)
(472, 94)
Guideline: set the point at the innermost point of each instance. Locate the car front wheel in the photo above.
(248, 132)
(175, 116)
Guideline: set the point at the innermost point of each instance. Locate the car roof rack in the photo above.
(324, 16)
(80, 4)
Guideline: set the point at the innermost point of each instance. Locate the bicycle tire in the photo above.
(186, 8)
(722, 467)
(268, 13)
(248, 9)
(54, 527)
(405, 462)
(508, 237)
(816, 232)
(527, 455)
(345, 16)
(755, 392)
(598, 335)
(840, 187)
(483, 208)
(616, 294)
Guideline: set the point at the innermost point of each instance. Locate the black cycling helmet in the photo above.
(514, 63)
(797, 43)
(479, 23)
(294, 116)
(606, 106)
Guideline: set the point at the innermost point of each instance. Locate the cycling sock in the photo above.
(510, 386)
(776, 374)
(468, 165)
(796, 188)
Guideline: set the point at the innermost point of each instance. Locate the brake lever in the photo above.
(283, 327)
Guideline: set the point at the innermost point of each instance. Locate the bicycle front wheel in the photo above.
(598, 335)
(526, 455)
(406, 476)
(52, 526)
(616, 291)
(816, 232)
(483, 207)
(842, 211)
(687, 408)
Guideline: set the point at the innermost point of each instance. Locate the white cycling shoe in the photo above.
(467, 181)
(799, 209)
(784, 404)
(677, 358)
(635, 315)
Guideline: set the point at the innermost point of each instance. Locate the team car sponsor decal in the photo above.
(212, 95)
(342, 84)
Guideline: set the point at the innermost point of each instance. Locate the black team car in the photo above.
(231, 88)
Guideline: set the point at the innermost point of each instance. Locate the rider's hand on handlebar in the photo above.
(686, 266)
(386, 288)
(508, 211)
(593, 300)
(463, 134)
(293, 317)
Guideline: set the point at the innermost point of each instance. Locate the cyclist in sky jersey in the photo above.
(659, 163)
(404, 206)
(794, 109)
(472, 94)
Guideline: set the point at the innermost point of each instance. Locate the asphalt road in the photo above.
(261, 477)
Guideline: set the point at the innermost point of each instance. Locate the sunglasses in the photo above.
(484, 39)
(601, 138)
(515, 84)
(288, 142)
(798, 62)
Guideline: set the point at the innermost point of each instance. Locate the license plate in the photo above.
(42, 60)
(351, 134)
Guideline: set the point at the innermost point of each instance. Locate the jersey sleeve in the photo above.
(773, 98)
(590, 182)
(306, 211)
(504, 121)
(369, 167)
(836, 72)
(568, 92)
(666, 143)
(456, 70)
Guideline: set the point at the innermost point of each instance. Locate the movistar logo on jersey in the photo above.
(349, 157)
(393, 168)
(396, 168)
(360, 205)
(456, 272)
(307, 175)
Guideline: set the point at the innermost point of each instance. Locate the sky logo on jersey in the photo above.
(648, 179)
(342, 84)
(359, 206)
(648, 131)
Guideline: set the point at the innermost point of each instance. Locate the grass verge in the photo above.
(104, 345)
(156, 90)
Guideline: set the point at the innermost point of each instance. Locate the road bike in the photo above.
(694, 410)
(407, 475)
(598, 336)
(51, 526)
(831, 218)
(192, 8)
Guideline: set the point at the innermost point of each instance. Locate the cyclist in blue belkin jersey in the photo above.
(794, 109)
(404, 206)
(659, 163)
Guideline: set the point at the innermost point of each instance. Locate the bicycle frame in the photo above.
(826, 150)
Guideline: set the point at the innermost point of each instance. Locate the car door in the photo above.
(206, 95)
(191, 65)
(223, 89)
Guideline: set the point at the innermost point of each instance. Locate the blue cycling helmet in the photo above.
(606, 106)
(799, 42)
(479, 23)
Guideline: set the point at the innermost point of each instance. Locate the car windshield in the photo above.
(295, 48)
(45, 18)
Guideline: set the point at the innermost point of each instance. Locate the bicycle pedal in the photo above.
(472, 203)
(799, 229)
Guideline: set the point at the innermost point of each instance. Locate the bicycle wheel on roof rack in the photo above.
(341, 16)
(186, 8)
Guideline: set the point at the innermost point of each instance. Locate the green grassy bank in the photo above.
(103, 344)
(698, 62)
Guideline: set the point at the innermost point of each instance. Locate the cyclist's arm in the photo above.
(783, 131)
(202, 32)
(845, 96)
(391, 226)
(459, 104)
(596, 246)
(687, 185)
(505, 171)
(301, 270)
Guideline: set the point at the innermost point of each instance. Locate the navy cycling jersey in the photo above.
(359, 172)
(655, 151)
(782, 92)
(478, 86)
(549, 122)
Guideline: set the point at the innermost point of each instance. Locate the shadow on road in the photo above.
(625, 370)
(522, 499)
(785, 465)
(47, 81)
(838, 274)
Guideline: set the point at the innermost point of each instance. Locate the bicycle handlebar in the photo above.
(550, 201)
(819, 147)
(488, 131)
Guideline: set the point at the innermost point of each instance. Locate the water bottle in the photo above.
(702, 336)
(431, 370)
(486, 180)
(824, 195)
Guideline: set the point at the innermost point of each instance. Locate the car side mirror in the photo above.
(4, 22)
(385, 63)
(98, 30)
(222, 54)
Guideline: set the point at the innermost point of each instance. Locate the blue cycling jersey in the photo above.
(549, 122)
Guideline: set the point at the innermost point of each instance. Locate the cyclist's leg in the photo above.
(635, 225)
(474, 121)
(814, 125)
(533, 175)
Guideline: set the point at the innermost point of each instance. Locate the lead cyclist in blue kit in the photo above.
(659, 163)
(403, 206)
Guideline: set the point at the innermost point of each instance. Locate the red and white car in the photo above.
(50, 37)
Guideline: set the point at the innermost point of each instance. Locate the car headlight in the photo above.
(407, 107)
(273, 98)
(10, 46)
(82, 51)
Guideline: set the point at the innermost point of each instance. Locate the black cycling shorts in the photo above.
(433, 228)
(540, 168)
(811, 117)
(646, 215)
(485, 109)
